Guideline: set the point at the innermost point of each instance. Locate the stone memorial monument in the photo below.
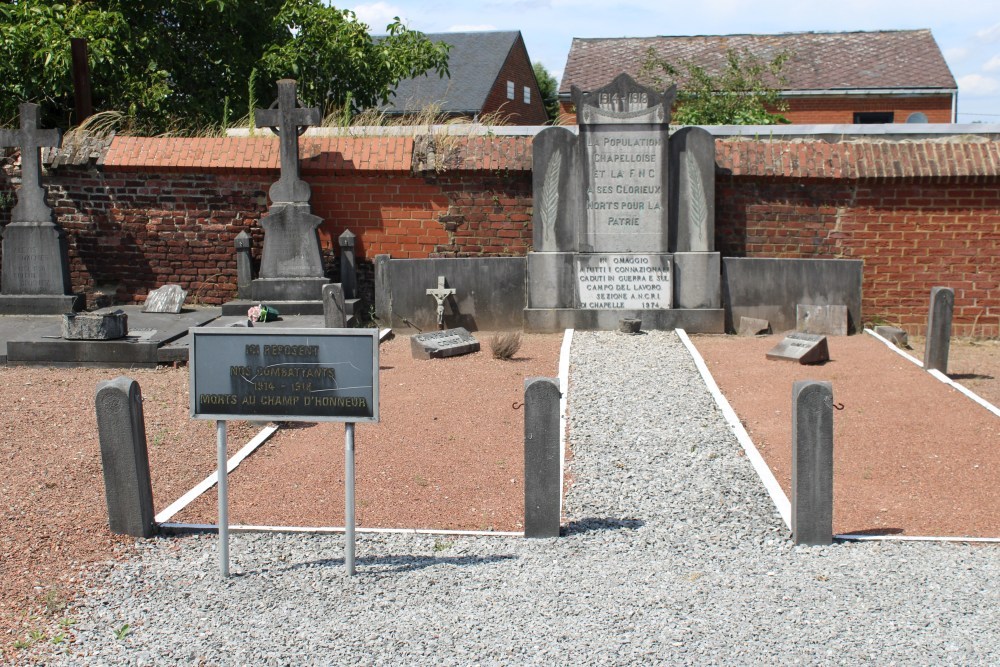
(35, 277)
(624, 218)
(291, 267)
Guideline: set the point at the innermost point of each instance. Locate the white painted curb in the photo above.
(327, 530)
(563, 412)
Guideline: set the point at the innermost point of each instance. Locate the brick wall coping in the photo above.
(953, 156)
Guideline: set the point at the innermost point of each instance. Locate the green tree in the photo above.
(745, 92)
(549, 88)
(181, 65)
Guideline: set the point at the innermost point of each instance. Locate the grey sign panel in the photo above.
(285, 375)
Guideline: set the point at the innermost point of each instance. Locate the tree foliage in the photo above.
(188, 64)
(745, 92)
(549, 88)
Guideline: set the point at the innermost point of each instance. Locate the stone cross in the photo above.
(31, 206)
(288, 121)
(440, 293)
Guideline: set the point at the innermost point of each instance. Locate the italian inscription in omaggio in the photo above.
(624, 282)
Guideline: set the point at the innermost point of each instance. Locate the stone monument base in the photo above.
(267, 290)
(41, 304)
(692, 320)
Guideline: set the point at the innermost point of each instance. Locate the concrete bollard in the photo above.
(124, 458)
(812, 462)
(939, 329)
(244, 265)
(542, 469)
(348, 265)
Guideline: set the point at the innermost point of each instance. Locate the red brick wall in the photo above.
(919, 213)
(516, 68)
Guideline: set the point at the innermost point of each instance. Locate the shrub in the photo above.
(505, 344)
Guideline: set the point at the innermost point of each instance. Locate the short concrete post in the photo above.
(348, 266)
(334, 308)
(122, 432)
(939, 329)
(244, 265)
(812, 462)
(542, 484)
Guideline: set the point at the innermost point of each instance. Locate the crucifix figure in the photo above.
(288, 121)
(31, 206)
(440, 293)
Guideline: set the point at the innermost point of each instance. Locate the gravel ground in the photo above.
(672, 554)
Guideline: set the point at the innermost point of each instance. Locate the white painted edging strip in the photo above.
(917, 538)
(778, 496)
(939, 375)
(563, 403)
(213, 479)
(327, 530)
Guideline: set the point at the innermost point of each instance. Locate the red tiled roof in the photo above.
(906, 59)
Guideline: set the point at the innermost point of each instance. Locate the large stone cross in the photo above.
(288, 121)
(31, 206)
(440, 293)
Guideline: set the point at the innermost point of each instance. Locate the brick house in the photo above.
(490, 73)
(892, 76)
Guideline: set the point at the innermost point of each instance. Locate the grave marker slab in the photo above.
(801, 347)
(442, 344)
(166, 299)
(938, 342)
(753, 326)
(95, 326)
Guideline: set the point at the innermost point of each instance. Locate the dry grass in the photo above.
(505, 344)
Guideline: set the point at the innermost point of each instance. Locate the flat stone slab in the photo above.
(166, 299)
(801, 347)
(442, 344)
(822, 320)
(95, 326)
(753, 326)
(894, 334)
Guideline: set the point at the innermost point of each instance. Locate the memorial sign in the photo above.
(626, 282)
(441, 344)
(801, 347)
(287, 375)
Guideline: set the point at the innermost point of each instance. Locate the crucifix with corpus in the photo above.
(440, 293)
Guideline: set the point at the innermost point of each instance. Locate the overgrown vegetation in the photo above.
(505, 344)
(549, 88)
(179, 66)
(746, 91)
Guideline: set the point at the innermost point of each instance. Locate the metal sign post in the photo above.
(308, 375)
(349, 497)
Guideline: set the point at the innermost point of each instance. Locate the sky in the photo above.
(967, 31)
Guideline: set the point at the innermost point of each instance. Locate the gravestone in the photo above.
(95, 326)
(894, 335)
(244, 265)
(624, 218)
(166, 299)
(812, 462)
(753, 326)
(938, 342)
(348, 264)
(291, 267)
(442, 344)
(801, 347)
(542, 464)
(36, 277)
(334, 308)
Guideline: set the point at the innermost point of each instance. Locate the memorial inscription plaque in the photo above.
(624, 282)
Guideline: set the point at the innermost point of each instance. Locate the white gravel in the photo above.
(672, 554)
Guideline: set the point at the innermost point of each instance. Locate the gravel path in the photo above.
(673, 554)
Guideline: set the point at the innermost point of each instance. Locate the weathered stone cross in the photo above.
(31, 206)
(440, 293)
(288, 121)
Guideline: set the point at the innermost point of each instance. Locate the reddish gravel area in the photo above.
(912, 456)
(448, 453)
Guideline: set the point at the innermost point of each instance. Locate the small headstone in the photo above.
(244, 265)
(124, 457)
(824, 320)
(629, 325)
(895, 335)
(95, 326)
(440, 293)
(334, 308)
(166, 299)
(939, 317)
(542, 465)
(348, 264)
(812, 462)
(801, 347)
(753, 326)
(441, 344)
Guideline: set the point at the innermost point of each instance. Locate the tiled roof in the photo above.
(474, 63)
(908, 59)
